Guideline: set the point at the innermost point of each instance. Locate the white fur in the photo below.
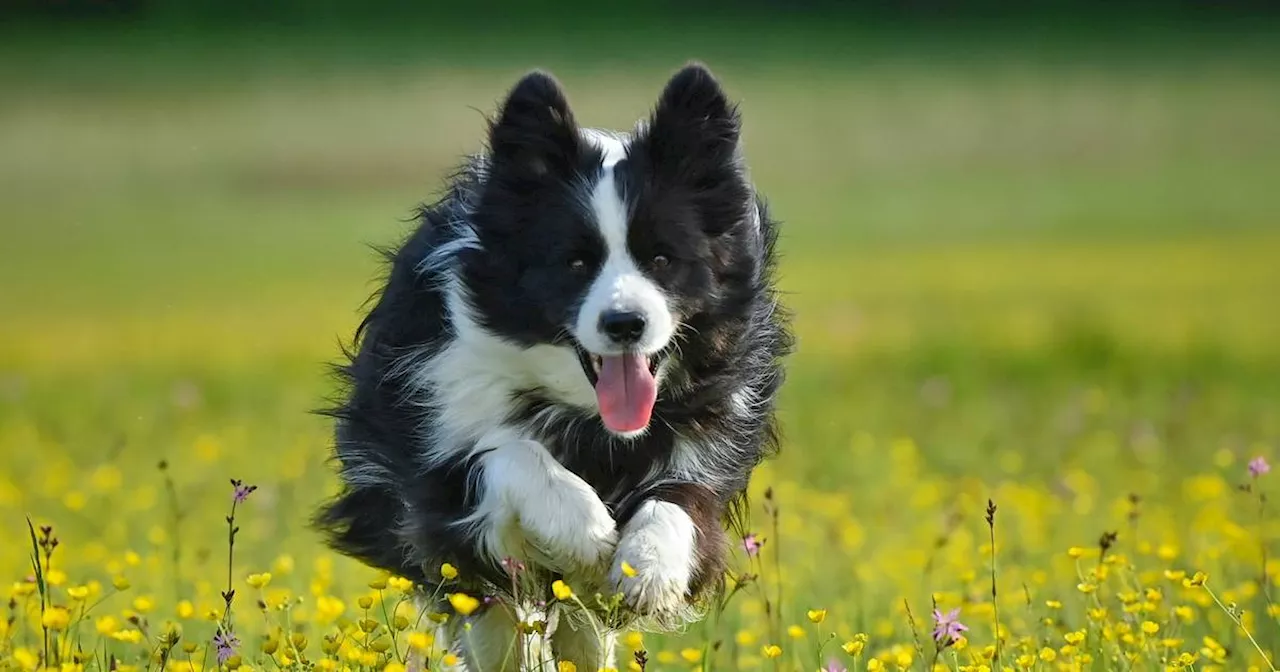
(620, 284)
(614, 145)
(472, 380)
(532, 508)
(659, 542)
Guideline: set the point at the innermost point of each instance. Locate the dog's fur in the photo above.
(470, 432)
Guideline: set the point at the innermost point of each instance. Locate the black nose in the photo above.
(624, 327)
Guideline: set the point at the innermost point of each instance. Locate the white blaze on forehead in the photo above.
(620, 285)
(613, 145)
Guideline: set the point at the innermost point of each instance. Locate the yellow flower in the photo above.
(561, 590)
(817, 615)
(960, 643)
(745, 638)
(633, 640)
(449, 660)
(1075, 552)
(259, 580)
(23, 589)
(283, 564)
(566, 666)
(1075, 638)
(874, 665)
(771, 651)
(107, 625)
(379, 583)
(364, 601)
(186, 609)
(1048, 655)
(1197, 580)
(400, 583)
(78, 593)
(143, 604)
(120, 583)
(853, 647)
(628, 570)
(421, 641)
(795, 632)
(691, 655)
(1150, 627)
(131, 636)
(448, 572)
(463, 603)
(26, 659)
(329, 608)
(1175, 574)
(55, 618)
(1086, 588)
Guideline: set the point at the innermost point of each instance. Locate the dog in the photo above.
(572, 368)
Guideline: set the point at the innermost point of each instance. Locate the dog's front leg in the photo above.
(673, 546)
(532, 508)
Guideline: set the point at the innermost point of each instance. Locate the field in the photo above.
(1042, 281)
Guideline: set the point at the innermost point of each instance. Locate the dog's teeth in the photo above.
(597, 363)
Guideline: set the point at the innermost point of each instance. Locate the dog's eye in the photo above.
(660, 261)
(577, 264)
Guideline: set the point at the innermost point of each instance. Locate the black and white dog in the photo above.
(573, 363)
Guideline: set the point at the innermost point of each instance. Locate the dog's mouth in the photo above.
(626, 387)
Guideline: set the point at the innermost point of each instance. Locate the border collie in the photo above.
(573, 365)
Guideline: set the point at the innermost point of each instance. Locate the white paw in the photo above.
(658, 549)
(568, 524)
(533, 508)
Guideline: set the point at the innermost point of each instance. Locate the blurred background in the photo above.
(1032, 255)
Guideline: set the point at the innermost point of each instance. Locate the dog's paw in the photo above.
(655, 560)
(569, 525)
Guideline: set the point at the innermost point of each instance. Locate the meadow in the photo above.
(1043, 283)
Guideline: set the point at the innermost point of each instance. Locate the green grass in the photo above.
(1057, 279)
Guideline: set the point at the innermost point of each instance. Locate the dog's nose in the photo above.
(624, 327)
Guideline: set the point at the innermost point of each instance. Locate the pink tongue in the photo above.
(626, 392)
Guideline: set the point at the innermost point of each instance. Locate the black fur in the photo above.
(508, 229)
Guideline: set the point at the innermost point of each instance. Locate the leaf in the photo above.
(35, 562)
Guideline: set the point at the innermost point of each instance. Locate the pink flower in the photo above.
(751, 544)
(947, 627)
(226, 644)
(242, 491)
(1258, 466)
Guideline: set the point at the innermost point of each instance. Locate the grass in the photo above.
(1051, 286)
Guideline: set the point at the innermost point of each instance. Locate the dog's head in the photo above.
(614, 246)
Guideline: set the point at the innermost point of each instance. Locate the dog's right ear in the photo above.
(535, 134)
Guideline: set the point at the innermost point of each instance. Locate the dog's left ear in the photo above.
(694, 131)
(535, 134)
